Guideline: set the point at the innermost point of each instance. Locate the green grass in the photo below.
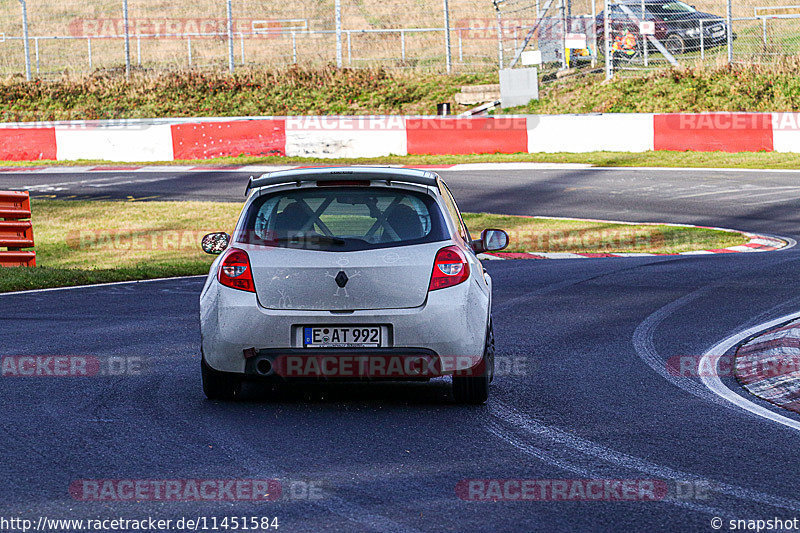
(327, 91)
(107, 234)
(530, 234)
(772, 87)
(23, 279)
(88, 242)
(291, 91)
(79, 242)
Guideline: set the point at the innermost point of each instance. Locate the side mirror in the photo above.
(492, 240)
(215, 243)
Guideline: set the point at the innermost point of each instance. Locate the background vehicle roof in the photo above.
(646, 2)
(408, 175)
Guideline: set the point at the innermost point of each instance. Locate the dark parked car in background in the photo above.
(677, 24)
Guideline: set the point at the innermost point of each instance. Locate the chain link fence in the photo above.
(644, 34)
(560, 30)
(651, 34)
(766, 31)
(84, 35)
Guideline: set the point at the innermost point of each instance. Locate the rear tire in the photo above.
(675, 44)
(474, 390)
(471, 390)
(219, 385)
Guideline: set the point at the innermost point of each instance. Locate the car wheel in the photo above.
(219, 385)
(475, 389)
(675, 44)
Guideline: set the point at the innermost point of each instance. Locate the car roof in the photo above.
(407, 175)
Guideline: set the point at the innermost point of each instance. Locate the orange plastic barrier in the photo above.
(15, 205)
(16, 233)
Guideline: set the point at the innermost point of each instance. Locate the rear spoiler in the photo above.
(420, 177)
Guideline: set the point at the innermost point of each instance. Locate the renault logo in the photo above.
(341, 279)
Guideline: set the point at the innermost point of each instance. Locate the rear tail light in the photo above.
(235, 271)
(449, 268)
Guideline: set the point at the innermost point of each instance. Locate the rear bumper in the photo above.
(449, 327)
(693, 42)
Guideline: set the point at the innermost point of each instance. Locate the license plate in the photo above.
(342, 337)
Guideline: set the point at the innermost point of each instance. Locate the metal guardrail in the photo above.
(794, 8)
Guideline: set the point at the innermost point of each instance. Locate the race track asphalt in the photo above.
(585, 391)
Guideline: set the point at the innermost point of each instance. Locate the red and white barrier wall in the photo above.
(371, 136)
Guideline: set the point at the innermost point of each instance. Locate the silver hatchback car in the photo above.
(348, 273)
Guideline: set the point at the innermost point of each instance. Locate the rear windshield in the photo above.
(670, 9)
(343, 219)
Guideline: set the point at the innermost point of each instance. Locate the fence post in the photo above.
(294, 48)
(403, 45)
(730, 32)
(231, 65)
(36, 46)
(516, 49)
(564, 30)
(338, 21)
(26, 43)
(644, 39)
(189, 48)
(499, 38)
(607, 42)
(448, 58)
(594, 34)
(702, 42)
(127, 39)
(89, 44)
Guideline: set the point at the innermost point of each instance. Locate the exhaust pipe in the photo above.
(264, 367)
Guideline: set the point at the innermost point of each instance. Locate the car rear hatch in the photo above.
(386, 278)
